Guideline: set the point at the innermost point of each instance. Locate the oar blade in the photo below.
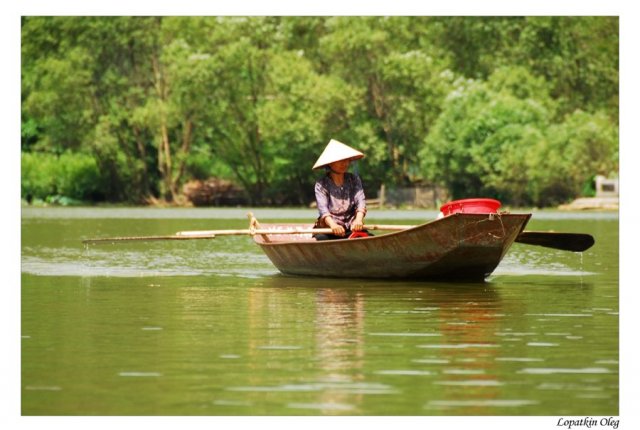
(576, 242)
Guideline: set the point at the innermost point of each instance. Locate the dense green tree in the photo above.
(577, 55)
(480, 140)
(303, 109)
(82, 80)
(473, 45)
(574, 151)
(496, 138)
(401, 83)
(520, 108)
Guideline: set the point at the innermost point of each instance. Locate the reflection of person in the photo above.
(339, 194)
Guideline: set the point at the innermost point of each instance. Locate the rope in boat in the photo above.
(492, 217)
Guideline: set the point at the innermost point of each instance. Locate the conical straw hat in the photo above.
(336, 151)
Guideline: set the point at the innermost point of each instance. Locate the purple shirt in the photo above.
(341, 202)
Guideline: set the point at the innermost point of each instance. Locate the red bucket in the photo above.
(471, 206)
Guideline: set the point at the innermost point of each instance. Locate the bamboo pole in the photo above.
(144, 238)
(211, 234)
(576, 242)
(288, 230)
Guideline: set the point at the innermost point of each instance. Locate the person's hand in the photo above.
(336, 228)
(357, 224)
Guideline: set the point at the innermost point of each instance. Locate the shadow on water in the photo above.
(489, 289)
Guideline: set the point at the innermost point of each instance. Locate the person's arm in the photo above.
(322, 200)
(337, 229)
(361, 206)
(358, 222)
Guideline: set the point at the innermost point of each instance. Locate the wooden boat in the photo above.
(467, 243)
(461, 246)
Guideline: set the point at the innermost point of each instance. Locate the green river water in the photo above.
(211, 327)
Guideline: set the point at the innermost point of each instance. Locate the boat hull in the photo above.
(457, 247)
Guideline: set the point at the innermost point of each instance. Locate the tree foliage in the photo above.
(519, 108)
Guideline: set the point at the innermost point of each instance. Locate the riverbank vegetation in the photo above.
(129, 109)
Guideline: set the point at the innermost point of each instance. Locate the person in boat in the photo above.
(339, 194)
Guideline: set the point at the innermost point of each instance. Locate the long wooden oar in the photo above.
(144, 238)
(207, 234)
(576, 242)
(211, 234)
(287, 230)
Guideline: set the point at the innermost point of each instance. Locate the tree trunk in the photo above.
(167, 168)
(164, 147)
(184, 150)
(379, 106)
(142, 153)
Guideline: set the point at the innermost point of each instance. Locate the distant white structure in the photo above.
(607, 197)
(606, 187)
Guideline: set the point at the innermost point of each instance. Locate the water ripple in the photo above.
(560, 315)
(403, 372)
(43, 388)
(506, 403)
(407, 334)
(280, 347)
(431, 361)
(140, 374)
(120, 262)
(463, 372)
(518, 359)
(232, 403)
(551, 371)
(471, 383)
(338, 387)
(460, 346)
(322, 406)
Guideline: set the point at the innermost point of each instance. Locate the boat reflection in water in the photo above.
(370, 342)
